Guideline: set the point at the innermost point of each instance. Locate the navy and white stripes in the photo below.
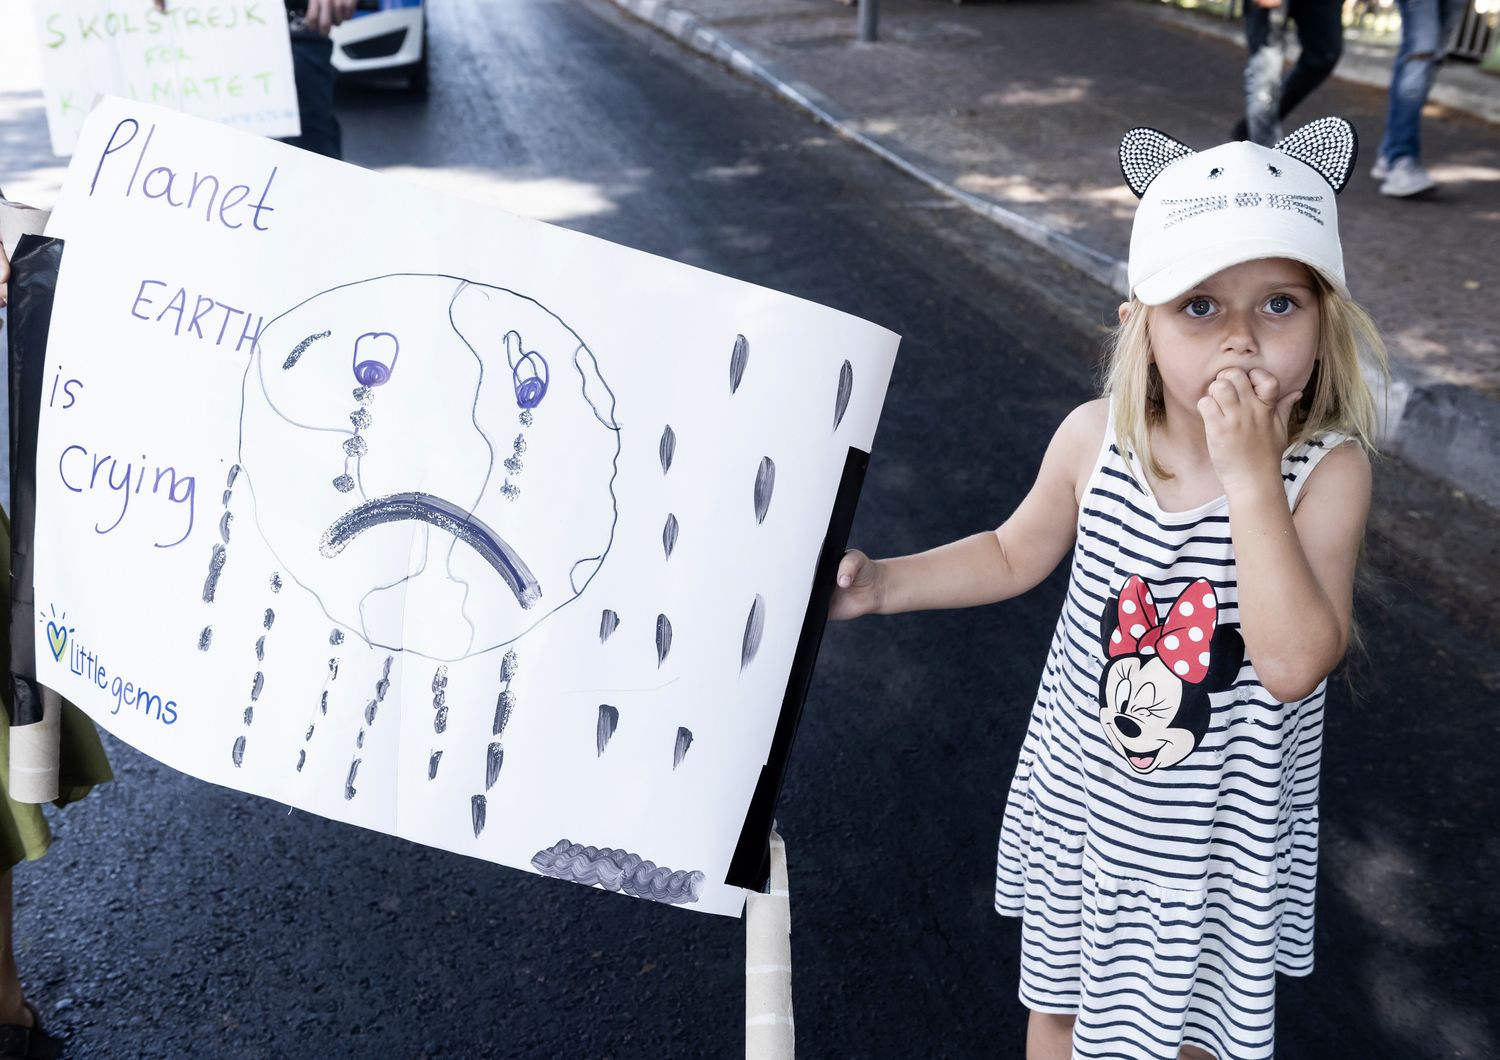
(1159, 905)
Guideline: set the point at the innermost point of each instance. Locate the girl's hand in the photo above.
(4, 275)
(1245, 418)
(857, 587)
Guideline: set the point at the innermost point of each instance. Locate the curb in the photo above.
(1441, 429)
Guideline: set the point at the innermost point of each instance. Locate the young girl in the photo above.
(1160, 839)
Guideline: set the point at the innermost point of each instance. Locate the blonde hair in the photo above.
(1337, 397)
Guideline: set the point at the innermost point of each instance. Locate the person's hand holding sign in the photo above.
(320, 15)
(323, 15)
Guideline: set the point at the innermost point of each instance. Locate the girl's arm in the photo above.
(990, 566)
(1296, 572)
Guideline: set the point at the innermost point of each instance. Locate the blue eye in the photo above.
(1280, 305)
(1198, 308)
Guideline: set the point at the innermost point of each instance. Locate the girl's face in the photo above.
(1258, 314)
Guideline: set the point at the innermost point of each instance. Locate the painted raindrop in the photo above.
(493, 759)
(609, 720)
(663, 638)
(754, 628)
(737, 362)
(667, 448)
(669, 535)
(841, 399)
(765, 485)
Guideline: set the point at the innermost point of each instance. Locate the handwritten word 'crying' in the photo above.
(82, 471)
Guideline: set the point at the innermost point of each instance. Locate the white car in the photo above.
(384, 36)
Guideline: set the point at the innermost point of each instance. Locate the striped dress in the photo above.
(1160, 837)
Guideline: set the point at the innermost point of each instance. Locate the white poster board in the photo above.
(464, 528)
(228, 62)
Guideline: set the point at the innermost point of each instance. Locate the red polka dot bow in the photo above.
(1182, 639)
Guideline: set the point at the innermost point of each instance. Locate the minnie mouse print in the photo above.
(1153, 693)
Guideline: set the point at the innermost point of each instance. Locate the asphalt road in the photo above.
(176, 919)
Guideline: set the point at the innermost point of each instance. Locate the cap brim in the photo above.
(1180, 276)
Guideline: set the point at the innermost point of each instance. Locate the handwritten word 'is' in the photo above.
(162, 181)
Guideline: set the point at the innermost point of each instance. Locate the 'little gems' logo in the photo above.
(87, 663)
(57, 634)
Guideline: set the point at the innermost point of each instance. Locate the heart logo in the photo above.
(57, 637)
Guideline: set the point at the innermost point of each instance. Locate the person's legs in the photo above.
(21, 1032)
(13, 1009)
(1422, 27)
(1049, 1036)
(1265, 36)
(1320, 34)
(312, 68)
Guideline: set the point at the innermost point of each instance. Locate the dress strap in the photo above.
(1298, 462)
(1109, 460)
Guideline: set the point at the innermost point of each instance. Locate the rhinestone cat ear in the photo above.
(1328, 145)
(1144, 153)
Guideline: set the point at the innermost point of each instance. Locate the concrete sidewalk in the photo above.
(1015, 109)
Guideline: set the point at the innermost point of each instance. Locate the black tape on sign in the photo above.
(751, 865)
(33, 284)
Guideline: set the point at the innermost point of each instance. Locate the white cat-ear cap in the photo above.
(1202, 212)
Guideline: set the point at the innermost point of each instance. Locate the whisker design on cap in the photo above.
(1303, 204)
(1187, 208)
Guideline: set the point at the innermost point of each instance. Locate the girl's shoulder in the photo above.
(1079, 441)
(1083, 430)
(1338, 474)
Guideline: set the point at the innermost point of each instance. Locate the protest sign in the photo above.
(226, 61)
(465, 528)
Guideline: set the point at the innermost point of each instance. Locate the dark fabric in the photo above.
(24, 833)
(1320, 34)
(29, 1043)
(312, 67)
(34, 282)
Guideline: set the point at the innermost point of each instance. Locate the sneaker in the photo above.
(1405, 177)
(1381, 169)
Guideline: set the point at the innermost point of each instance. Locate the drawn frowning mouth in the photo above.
(446, 516)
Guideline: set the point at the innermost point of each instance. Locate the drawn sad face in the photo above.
(433, 459)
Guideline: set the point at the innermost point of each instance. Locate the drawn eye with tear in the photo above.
(375, 355)
(529, 374)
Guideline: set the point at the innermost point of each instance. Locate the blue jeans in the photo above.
(1426, 28)
(312, 68)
